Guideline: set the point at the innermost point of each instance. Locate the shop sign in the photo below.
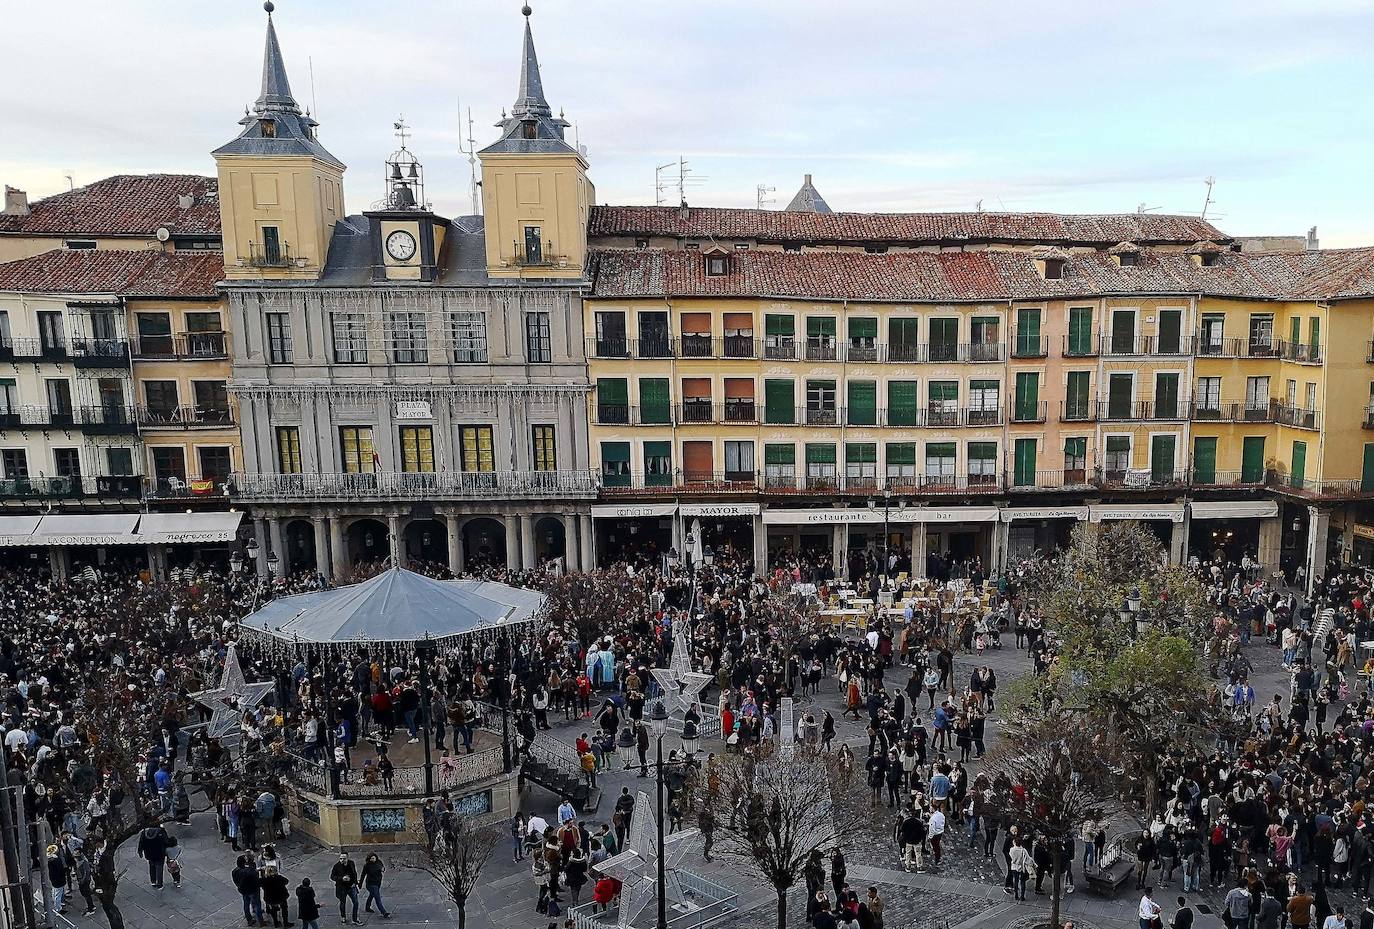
(719, 509)
(413, 409)
(1364, 532)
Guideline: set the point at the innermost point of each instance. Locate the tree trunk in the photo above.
(462, 916)
(1056, 886)
(782, 908)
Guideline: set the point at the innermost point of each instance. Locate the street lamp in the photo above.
(236, 562)
(887, 533)
(658, 722)
(425, 650)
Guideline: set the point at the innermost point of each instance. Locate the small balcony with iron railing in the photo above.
(410, 485)
(1297, 417)
(187, 488)
(1368, 418)
(28, 349)
(1081, 346)
(1111, 478)
(73, 487)
(1204, 477)
(184, 346)
(1077, 411)
(107, 419)
(1022, 412)
(1231, 411)
(1026, 345)
(185, 417)
(1300, 352)
(271, 256)
(1146, 345)
(99, 353)
(1219, 348)
(1064, 479)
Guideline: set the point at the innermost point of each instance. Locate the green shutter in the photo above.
(863, 403)
(1252, 459)
(1076, 395)
(1162, 448)
(863, 327)
(943, 390)
(661, 451)
(939, 450)
(612, 391)
(1295, 330)
(1123, 331)
(901, 453)
(860, 453)
(1314, 336)
(1023, 463)
(982, 451)
(778, 325)
(1298, 470)
(903, 331)
(1170, 331)
(1166, 396)
(653, 401)
(1075, 453)
(1367, 476)
(818, 326)
(1080, 330)
(820, 453)
(1205, 459)
(1028, 331)
(779, 454)
(615, 464)
(1027, 396)
(901, 403)
(779, 401)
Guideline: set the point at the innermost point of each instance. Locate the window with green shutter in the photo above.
(939, 463)
(658, 464)
(944, 339)
(863, 403)
(1295, 331)
(901, 461)
(820, 326)
(780, 465)
(944, 403)
(1118, 456)
(654, 408)
(820, 338)
(1076, 397)
(861, 462)
(1028, 331)
(612, 400)
(776, 324)
(903, 339)
(1023, 463)
(1367, 475)
(1027, 396)
(1252, 459)
(1080, 330)
(1314, 328)
(779, 454)
(779, 401)
(1166, 395)
(779, 336)
(615, 464)
(1297, 471)
(1205, 459)
(863, 329)
(982, 462)
(1162, 456)
(1075, 458)
(901, 403)
(820, 463)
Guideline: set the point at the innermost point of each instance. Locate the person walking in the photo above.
(152, 846)
(307, 907)
(372, 881)
(1149, 910)
(276, 895)
(344, 874)
(1022, 864)
(249, 885)
(57, 875)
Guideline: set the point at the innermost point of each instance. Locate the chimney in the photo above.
(682, 211)
(1312, 245)
(16, 202)
(186, 201)
(806, 180)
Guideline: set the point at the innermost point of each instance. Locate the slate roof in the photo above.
(530, 106)
(976, 276)
(125, 273)
(124, 204)
(808, 199)
(776, 226)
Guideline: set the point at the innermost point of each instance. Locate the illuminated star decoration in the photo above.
(681, 685)
(231, 698)
(637, 866)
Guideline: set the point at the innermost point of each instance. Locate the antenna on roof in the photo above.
(660, 185)
(685, 179)
(1142, 208)
(761, 197)
(1210, 182)
(314, 106)
(71, 179)
(978, 207)
(471, 152)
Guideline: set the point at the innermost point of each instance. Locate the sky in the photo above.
(1050, 106)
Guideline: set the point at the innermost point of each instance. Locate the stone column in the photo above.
(1001, 539)
(839, 544)
(1270, 542)
(1318, 526)
(1178, 541)
(338, 549)
(528, 558)
(454, 525)
(157, 565)
(260, 535)
(918, 550)
(760, 546)
(393, 537)
(278, 536)
(512, 542)
(588, 546)
(321, 525)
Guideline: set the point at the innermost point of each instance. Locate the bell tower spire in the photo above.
(276, 88)
(530, 98)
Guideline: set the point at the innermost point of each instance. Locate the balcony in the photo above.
(1219, 348)
(271, 256)
(1224, 478)
(1109, 411)
(1300, 352)
(181, 488)
(821, 348)
(1297, 417)
(99, 487)
(1028, 412)
(862, 351)
(1259, 348)
(1029, 347)
(107, 419)
(40, 417)
(404, 485)
(1080, 347)
(1368, 419)
(780, 348)
(1077, 411)
(33, 350)
(185, 417)
(1070, 478)
(1147, 345)
(542, 256)
(192, 346)
(1234, 411)
(100, 353)
(1138, 478)
(605, 414)
(696, 346)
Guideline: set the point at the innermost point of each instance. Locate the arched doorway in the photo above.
(367, 542)
(484, 543)
(550, 541)
(300, 546)
(426, 543)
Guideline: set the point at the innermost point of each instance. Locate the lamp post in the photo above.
(1130, 612)
(887, 534)
(658, 721)
(503, 665)
(252, 549)
(425, 650)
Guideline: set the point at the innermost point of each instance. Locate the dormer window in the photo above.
(1127, 259)
(717, 265)
(1209, 258)
(528, 129)
(742, 246)
(794, 247)
(1054, 269)
(268, 128)
(875, 249)
(641, 243)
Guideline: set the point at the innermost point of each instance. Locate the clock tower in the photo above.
(536, 195)
(407, 238)
(280, 191)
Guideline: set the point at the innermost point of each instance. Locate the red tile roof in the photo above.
(978, 275)
(141, 273)
(125, 204)
(906, 228)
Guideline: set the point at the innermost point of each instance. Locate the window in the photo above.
(820, 403)
(1166, 395)
(469, 337)
(658, 464)
(1261, 334)
(214, 462)
(51, 337)
(1023, 463)
(696, 400)
(698, 464)
(985, 333)
(1309, 396)
(779, 336)
(161, 399)
(534, 245)
(610, 335)
(543, 448)
(9, 398)
(279, 338)
(1291, 397)
(615, 464)
(1120, 391)
(901, 462)
(268, 128)
(739, 400)
(653, 335)
(1162, 458)
(271, 238)
(939, 463)
(350, 338)
(356, 450)
(944, 339)
(288, 450)
(6, 338)
(696, 335)
(1205, 459)
(15, 462)
(103, 326)
(780, 465)
(1170, 338)
(654, 405)
(863, 339)
(903, 339)
(820, 338)
(1123, 332)
(80, 245)
(944, 403)
(409, 338)
(155, 335)
(1294, 331)
(212, 401)
(901, 403)
(1028, 332)
(59, 401)
(538, 344)
(1256, 397)
(739, 461)
(860, 464)
(119, 462)
(1028, 397)
(1118, 456)
(820, 465)
(1080, 331)
(111, 392)
(67, 462)
(612, 400)
(475, 446)
(1314, 328)
(1076, 395)
(982, 463)
(417, 449)
(1075, 460)
(984, 403)
(1213, 334)
(739, 335)
(1207, 403)
(169, 463)
(717, 265)
(863, 403)
(779, 401)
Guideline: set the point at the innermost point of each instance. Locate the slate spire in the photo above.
(529, 101)
(276, 89)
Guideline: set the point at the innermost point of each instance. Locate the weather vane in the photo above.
(402, 130)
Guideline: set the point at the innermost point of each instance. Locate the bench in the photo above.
(1113, 870)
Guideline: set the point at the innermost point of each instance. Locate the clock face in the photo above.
(400, 245)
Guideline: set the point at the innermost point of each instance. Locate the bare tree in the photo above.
(771, 812)
(591, 601)
(456, 857)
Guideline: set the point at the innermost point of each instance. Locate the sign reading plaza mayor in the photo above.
(413, 409)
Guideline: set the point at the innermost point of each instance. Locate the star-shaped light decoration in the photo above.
(637, 866)
(231, 698)
(681, 685)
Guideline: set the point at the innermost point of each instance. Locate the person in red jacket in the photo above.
(605, 891)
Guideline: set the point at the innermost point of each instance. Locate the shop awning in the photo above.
(1234, 509)
(630, 510)
(949, 514)
(18, 530)
(1173, 512)
(719, 509)
(820, 517)
(96, 529)
(1044, 512)
(895, 517)
(188, 528)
